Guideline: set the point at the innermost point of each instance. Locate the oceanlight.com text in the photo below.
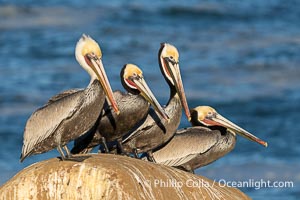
(256, 184)
(250, 183)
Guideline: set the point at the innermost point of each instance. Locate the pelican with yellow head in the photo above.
(211, 137)
(156, 131)
(70, 114)
(134, 107)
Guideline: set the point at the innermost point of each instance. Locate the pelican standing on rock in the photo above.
(133, 106)
(155, 130)
(69, 116)
(198, 146)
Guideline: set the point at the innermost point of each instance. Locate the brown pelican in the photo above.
(133, 106)
(155, 130)
(69, 116)
(198, 146)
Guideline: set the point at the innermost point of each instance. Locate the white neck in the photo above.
(80, 59)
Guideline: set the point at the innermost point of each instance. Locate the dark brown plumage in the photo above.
(133, 106)
(68, 116)
(156, 131)
(198, 146)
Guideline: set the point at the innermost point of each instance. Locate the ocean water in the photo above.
(241, 57)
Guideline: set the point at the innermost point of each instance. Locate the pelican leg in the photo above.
(135, 153)
(188, 168)
(69, 155)
(87, 151)
(59, 149)
(103, 142)
(120, 146)
(150, 157)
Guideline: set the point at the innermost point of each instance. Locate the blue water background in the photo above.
(241, 57)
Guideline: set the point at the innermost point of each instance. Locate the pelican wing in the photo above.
(45, 121)
(144, 127)
(62, 95)
(186, 145)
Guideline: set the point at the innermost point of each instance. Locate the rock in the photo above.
(107, 176)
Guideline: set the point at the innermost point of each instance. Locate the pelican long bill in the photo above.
(222, 121)
(176, 76)
(148, 95)
(98, 68)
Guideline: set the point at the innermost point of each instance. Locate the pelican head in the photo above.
(169, 64)
(208, 116)
(88, 55)
(133, 80)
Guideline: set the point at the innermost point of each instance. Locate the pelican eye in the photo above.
(135, 76)
(92, 56)
(210, 114)
(171, 60)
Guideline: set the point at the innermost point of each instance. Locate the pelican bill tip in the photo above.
(167, 118)
(115, 107)
(265, 144)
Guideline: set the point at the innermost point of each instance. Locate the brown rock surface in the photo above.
(106, 176)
